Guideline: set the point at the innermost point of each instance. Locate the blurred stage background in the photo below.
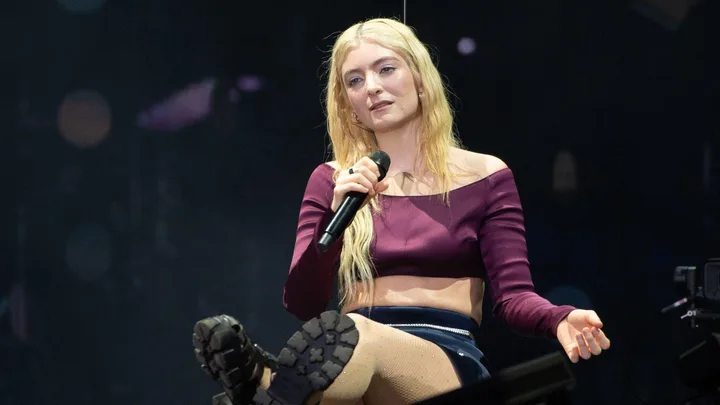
(154, 155)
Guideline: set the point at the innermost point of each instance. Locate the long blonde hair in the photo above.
(351, 142)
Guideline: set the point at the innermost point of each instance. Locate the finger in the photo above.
(367, 162)
(382, 186)
(360, 176)
(361, 179)
(582, 346)
(593, 319)
(572, 353)
(368, 174)
(593, 345)
(602, 340)
(342, 189)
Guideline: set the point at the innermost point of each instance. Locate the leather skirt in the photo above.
(451, 331)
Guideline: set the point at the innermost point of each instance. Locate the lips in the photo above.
(379, 104)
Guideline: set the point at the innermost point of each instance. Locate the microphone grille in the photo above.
(382, 160)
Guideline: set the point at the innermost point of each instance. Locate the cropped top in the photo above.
(481, 233)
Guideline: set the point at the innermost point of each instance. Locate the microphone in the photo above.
(350, 205)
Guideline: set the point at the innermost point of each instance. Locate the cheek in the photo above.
(410, 98)
(354, 102)
(405, 89)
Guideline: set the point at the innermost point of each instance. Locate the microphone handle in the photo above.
(344, 214)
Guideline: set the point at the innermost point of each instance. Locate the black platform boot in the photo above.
(227, 355)
(311, 360)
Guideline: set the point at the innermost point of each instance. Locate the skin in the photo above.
(374, 74)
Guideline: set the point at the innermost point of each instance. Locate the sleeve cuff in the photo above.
(561, 312)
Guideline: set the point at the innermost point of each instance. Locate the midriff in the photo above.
(462, 295)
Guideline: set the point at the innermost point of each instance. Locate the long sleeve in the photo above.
(504, 251)
(309, 285)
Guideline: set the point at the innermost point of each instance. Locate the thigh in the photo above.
(408, 369)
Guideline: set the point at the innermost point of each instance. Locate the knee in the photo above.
(361, 322)
(364, 327)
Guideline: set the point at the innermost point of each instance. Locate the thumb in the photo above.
(593, 319)
(382, 185)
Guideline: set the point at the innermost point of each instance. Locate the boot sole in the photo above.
(312, 359)
(218, 345)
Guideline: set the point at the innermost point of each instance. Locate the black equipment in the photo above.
(703, 292)
(699, 366)
(546, 380)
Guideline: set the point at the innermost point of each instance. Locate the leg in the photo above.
(334, 360)
(390, 366)
(368, 361)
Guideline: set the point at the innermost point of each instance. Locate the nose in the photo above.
(372, 86)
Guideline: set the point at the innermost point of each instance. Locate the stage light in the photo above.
(181, 109)
(466, 46)
(194, 103)
(564, 178)
(84, 118)
(249, 83)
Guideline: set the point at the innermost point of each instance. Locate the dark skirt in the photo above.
(452, 331)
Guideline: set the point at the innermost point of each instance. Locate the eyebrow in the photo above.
(377, 62)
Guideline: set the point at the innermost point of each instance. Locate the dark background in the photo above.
(110, 252)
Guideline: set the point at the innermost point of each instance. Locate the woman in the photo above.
(412, 265)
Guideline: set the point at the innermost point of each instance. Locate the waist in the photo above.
(463, 296)
(430, 270)
(403, 317)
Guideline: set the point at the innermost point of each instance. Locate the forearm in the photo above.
(529, 314)
(309, 285)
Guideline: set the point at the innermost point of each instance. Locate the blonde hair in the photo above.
(351, 142)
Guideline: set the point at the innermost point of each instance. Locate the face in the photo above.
(380, 87)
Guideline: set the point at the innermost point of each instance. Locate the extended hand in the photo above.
(581, 335)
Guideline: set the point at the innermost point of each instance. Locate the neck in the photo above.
(401, 144)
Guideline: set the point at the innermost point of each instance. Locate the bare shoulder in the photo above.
(478, 165)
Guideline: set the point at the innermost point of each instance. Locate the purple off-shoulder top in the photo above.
(480, 234)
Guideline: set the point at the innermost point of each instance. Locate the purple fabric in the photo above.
(481, 234)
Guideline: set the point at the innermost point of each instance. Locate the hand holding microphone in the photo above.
(353, 189)
(363, 177)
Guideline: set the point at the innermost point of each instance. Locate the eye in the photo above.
(386, 69)
(353, 81)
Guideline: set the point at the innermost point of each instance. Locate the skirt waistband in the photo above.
(423, 317)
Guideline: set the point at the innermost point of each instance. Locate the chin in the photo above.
(392, 122)
(381, 128)
(386, 125)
